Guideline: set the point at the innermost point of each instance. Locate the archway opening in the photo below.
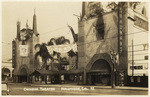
(100, 73)
(23, 75)
(5, 74)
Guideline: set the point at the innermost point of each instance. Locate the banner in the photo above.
(62, 48)
(23, 50)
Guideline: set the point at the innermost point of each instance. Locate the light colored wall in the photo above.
(7, 65)
(140, 38)
(92, 45)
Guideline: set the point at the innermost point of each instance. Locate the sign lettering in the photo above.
(141, 23)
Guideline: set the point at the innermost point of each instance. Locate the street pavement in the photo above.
(68, 89)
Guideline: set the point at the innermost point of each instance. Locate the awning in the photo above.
(98, 72)
(71, 71)
(49, 72)
(44, 72)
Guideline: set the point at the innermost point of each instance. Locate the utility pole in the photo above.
(132, 60)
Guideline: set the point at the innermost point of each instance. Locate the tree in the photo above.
(58, 41)
(75, 36)
(43, 52)
(52, 41)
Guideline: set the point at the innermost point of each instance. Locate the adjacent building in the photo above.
(138, 45)
(7, 70)
(110, 44)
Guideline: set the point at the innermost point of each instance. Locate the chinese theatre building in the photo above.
(110, 43)
(23, 51)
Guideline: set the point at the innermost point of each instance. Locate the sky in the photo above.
(52, 20)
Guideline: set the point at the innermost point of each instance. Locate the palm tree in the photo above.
(58, 41)
(75, 36)
(43, 52)
(71, 53)
(52, 41)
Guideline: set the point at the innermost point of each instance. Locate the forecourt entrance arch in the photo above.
(99, 71)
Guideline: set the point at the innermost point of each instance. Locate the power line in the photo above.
(88, 42)
(5, 43)
(138, 50)
(66, 27)
(141, 54)
(139, 60)
(137, 44)
(56, 29)
(110, 38)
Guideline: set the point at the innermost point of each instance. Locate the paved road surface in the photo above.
(28, 89)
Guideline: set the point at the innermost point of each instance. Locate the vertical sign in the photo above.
(23, 50)
(13, 54)
(120, 28)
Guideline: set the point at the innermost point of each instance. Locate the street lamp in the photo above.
(114, 58)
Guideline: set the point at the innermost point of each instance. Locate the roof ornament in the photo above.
(27, 26)
(34, 10)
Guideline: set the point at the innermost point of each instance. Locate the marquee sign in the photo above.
(141, 23)
(62, 48)
(23, 50)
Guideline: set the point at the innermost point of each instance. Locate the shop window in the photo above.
(62, 77)
(138, 79)
(132, 79)
(144, 11)
(80, 77)
(146, 57)
(136, 67)
(49, 68)
(63, 67)
(66, 67)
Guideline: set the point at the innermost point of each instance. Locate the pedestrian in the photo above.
(7, 91)
(45, 79)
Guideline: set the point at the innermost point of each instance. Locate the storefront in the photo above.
(55, 77)
(98, 77)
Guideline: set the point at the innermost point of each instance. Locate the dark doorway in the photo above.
(5, 74)
(100, 73)
(23, 75)
(55, 79)
(22, 79)
(100, 80)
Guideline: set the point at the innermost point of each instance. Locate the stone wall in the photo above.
(91, 43)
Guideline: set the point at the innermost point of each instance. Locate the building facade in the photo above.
(104, 40)
(138, 45)
(24, 52)
(7, 70)
(112, 49)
